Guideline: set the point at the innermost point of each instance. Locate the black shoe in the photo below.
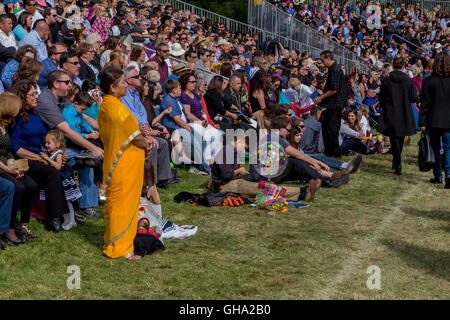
(14, 242)
(55, 225)
(87, 158)
(398, 170)
(447, 182)
(174, 180)
(436, 180)
(163, 185)
(3, 244)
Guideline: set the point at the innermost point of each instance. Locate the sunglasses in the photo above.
(34, 94)
(302, 127)
(75, 63)
(165, 51)
(135, 77)
(67, 82)
(153, 33)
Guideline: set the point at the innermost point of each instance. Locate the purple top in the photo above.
(196, 103)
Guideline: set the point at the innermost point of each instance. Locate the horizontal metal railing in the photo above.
(209, 72)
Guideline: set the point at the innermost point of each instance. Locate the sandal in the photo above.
(25, 229)
(15, 241)
(132, 256)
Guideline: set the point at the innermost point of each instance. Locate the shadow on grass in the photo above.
(92, 232)
(434, 262)
(434, 214)
(386, 171)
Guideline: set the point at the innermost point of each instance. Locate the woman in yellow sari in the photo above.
(123, 167)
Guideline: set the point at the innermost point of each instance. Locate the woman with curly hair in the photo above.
(29, 69)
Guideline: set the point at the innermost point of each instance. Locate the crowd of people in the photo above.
(97, 94)
(376, 32)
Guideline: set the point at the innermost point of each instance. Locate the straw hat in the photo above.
(176, 50)
(179, 67)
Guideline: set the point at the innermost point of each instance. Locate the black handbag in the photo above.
(426, 157)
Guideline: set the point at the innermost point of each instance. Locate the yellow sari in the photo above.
(123, 172)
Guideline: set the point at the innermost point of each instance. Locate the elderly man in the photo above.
(160, 152)
(37, 38)
(6, 36)
(50, 104)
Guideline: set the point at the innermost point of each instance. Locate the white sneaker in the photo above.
(69, 226)
(179, 232)
(197, 171)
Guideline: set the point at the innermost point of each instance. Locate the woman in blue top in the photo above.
(27, 139)
(11, 67)
(23, 26)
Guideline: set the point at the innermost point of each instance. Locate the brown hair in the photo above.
(171, 85)
(291, 137)
(83, 48)
(28, 69)
(279, 122)
(398, 63)
(21, 89)
(20, 53)
(441, 65)
(136, 53)
(109, 77)
(84, 99)
(58, 138)
(10, 105)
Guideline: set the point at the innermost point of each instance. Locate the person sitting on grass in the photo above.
(227, 175)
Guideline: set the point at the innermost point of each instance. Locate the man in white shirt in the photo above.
(6, 36)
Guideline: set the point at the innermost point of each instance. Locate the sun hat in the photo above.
(153, 76)
(222, 42)
(176, 50)
(179, 67)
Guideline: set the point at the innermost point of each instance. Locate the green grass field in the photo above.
(398, 223)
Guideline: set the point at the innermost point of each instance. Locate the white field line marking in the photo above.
(352, 262)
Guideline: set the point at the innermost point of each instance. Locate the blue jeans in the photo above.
(88, 187)
(195, 147)
(435, 139)
(335, 165)
(6, 202)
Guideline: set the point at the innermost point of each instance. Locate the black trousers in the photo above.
(331, 123)
(296, 170)
(397, 148)
(24, 191)
(48, 178)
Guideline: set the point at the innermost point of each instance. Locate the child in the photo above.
(169, 229)
(54, 143)
(73, 114)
